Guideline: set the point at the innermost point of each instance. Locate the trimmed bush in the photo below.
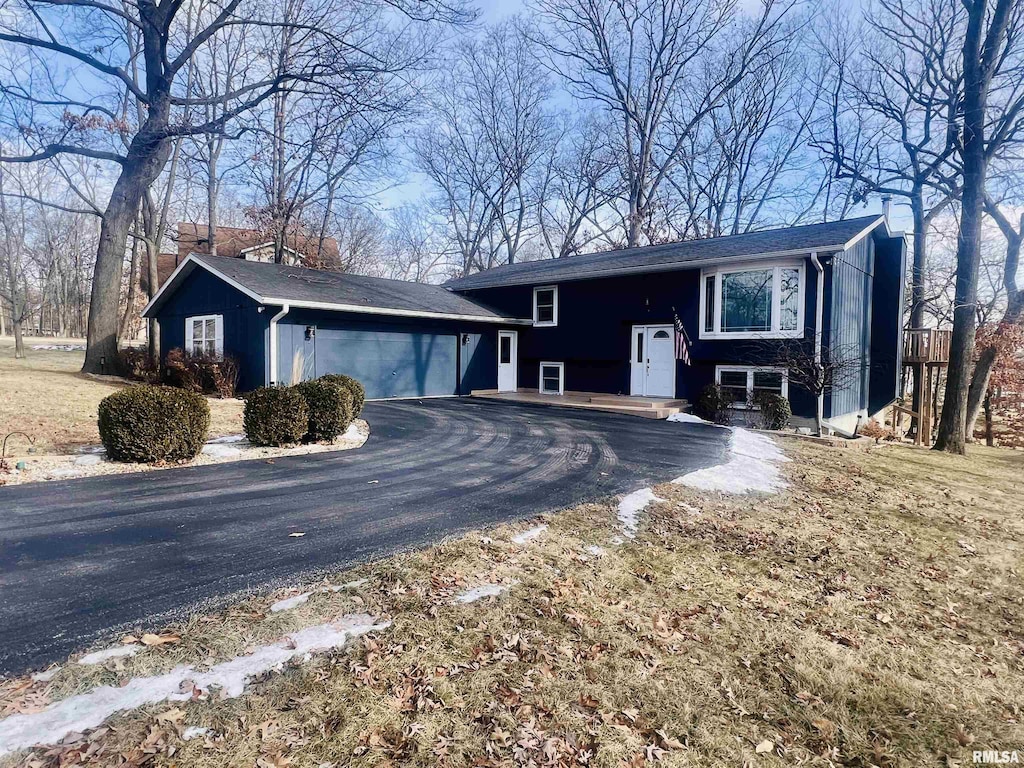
(713, 405)
(135, 363)
(148, 424)
(275, 416)
(330, 409)
(775, 410)
(353, 386)
(202, 373)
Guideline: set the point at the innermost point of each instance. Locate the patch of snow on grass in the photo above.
(226, 439)
(751, 467)
(98, 657)
(194, 732)
(220, 450)
(525, 536)
(290, 602)
(686, 418)
(630, 507)
(353, 432)
(595, 550)
(46, 676)
(88, 710)
(478, 593)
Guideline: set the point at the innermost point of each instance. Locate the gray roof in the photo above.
(278, 284)
(824, 237)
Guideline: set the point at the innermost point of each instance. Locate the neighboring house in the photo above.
(598, 323)
(248, 244)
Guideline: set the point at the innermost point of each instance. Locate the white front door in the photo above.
(508, 353)
(653, 362)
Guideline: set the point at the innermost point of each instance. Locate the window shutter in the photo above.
(188, 335)
(219, 330)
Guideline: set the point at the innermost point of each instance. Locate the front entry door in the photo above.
(653, 362)
(508, 353)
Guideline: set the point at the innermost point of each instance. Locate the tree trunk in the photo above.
(19, 341)
(952, 433)
(917, 304)
(989, 438)
(146, 158)
(129, 307)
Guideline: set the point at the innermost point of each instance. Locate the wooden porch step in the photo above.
(638, 402)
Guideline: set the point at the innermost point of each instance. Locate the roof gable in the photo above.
(830, 236)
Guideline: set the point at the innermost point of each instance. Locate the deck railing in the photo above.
(926, 345)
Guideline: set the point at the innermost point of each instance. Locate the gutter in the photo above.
(819, 315)
(273, 343)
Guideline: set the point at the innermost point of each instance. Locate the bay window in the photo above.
(752, 301)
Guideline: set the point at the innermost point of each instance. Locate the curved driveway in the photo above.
(81, 558)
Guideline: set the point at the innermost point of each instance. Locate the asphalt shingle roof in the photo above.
(277, 283)
(809, 237)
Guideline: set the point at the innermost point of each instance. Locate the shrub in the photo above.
(713, 405)
(875, 430)
(330, 409)
(202, 373)
(135, 363)
(275, 416)
(353, 386)
(774, 410)
(147, 423)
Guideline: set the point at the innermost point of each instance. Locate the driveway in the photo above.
(84, 558)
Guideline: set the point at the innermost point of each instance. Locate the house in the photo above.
(602, 322)
(248, 244)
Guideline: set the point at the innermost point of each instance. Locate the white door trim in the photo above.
(639, 359)
(508, 373)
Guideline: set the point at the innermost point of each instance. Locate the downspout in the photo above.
(819, 315)
(273, 343)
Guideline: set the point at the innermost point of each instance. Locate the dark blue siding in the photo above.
(200, 293)
(595, 320)
(887, 323)
(849, 327)
(391, 356)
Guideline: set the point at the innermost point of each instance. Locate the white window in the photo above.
(204, 335)
(741, 382)
(552, 378)
(545, 305)
(752, 301)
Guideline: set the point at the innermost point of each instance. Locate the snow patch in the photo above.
(194, 732)
(595, 550)
(525, 536)
(352, 433)
(478, 593)
(346, 585)
(88, 710)
(630, 507)
(686, 418)
(751, 467)
(90, 459)
(224, 439)
(221, 450)
(290, 602)
(46, 676)
(118, 651)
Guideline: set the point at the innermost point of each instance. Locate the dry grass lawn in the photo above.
(871, 615)
(45, 396)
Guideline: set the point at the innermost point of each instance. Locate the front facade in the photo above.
(600, 323)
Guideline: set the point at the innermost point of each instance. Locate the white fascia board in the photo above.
(364, 310)
(190, 259)
(864, 233)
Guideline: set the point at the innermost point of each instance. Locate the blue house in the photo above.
(597, 323)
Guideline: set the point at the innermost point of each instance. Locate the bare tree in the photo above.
(658, 70)
(991, 54)
(15, 263)
(56, 36)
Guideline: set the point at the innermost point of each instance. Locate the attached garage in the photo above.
(288, 324)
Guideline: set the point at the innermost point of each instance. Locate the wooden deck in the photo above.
(646, 407)
(926, 345)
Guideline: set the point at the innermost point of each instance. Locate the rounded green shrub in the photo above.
(713, 405)
(330, 409)
(148, 424)
(275, 416)
(775, 410)
(353, 386)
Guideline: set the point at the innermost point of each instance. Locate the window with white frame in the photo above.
(545, 305)
(739, 383)
(204, 335)
(552, 378)
(753, 301)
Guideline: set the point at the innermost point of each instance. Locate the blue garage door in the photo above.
(391, 363)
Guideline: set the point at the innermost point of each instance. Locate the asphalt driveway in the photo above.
(84, 558)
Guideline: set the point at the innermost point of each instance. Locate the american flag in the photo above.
(682, 342)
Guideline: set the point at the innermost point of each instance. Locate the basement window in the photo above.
(204, 335)
(739, 383)
(552, 378)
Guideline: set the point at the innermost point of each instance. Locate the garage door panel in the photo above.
(391, 363)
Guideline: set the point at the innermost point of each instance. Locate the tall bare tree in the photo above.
(52, 114)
